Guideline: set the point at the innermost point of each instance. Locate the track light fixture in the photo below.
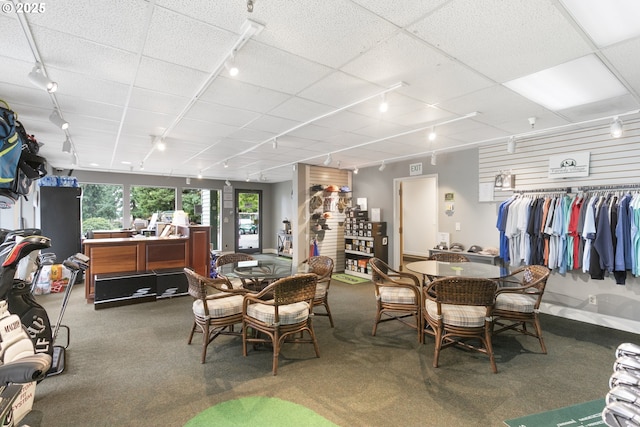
(338, 164)
(227, 183)
(38, 79)
(432, 134)
(434, 159)
(231, 67)
(225, 164)
(328, 160)
(188, 180)
(248, 178)
(200, 175)
(249, 6)
(275, 143)
(616, 127)
(384, 105)
(295, 167)
(511, 145)
(262, 177)
(57, 120)
(355, 171)
(382, 166)
(141, 166)
(66, 146)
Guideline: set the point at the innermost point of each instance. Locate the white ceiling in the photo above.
(129, 70)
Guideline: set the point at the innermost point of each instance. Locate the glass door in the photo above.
(248, 227)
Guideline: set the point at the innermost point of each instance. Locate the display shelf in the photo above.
(285, 244)
(363, 240)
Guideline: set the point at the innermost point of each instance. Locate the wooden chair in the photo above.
(518, 305)
(459, 309)
(214, 313)
(231, 259)
(397, 296)
(322, 266)
(280, 319)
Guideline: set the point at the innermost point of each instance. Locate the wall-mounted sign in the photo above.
(570, 165)
(415, 169)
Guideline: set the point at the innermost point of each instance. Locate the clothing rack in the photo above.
(583, 189)
(546, 190)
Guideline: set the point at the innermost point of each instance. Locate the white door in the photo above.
(416, 207)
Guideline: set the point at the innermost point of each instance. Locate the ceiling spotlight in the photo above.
(40, 80)
(511, 145)
(338, 164)
(200, 175)
(161, 145)
(66, 146)
(382, 166)
(227, 183)
(141, 166)
(384, 105)
(188, 180)
(249, 6)
(262, 177)
(225, 164)
(355, 171)
(616, 127)
(328, 160)
(74, 160)
(432, 134)
(248, 178)
(57, 120)
(294, 167)
(434, 159)
(275, 143)
(230, 65)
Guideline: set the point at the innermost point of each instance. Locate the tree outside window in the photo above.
(101, 207)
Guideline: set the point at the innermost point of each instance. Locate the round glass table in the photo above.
(257, 274)
(436, 269)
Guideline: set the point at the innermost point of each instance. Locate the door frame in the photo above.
(398, 206)
(236, 226)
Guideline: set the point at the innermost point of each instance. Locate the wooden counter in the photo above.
(139, 254)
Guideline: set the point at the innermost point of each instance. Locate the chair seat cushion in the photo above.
(290, 314)
(397, 295)
(219, 307)
(468, 316)
(522, 303)
(321, 290)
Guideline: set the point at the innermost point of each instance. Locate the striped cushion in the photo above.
(219, 307)
(290, 314)
(515, 302)
(468, 316)
(396, 295)
(321, 289)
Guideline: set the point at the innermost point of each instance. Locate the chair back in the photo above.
(380, 270)
(464, 291)
(535, 276)
(448, 257)
(233, 258)
(321, 265)
(292, 289)
(196, 284)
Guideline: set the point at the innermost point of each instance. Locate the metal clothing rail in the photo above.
(609, 187)
(546, 190)
(582, 189)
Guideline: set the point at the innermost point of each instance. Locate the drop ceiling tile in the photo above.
(87, 108)
(117, 23)
(202, 47)
(430, 76)
(400, 12)
(159, 102)
(86, 87)
(14, 43)
(229, 18)
(216, 113)
(301, 110)
(504, 40)
(339, 90)
(272, 125)
(169, 78)
(238, 94)
(625, 58)
(201, 131)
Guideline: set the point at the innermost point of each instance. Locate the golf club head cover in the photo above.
(621, 414)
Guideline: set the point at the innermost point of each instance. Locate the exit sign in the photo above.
(415, 169)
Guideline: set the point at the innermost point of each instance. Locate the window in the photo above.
(145, 201)
(101, 207)
(203, 207)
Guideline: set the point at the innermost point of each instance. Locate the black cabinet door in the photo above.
(60, 220)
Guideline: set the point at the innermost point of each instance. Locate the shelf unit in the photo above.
(285, 244)
(363, 240)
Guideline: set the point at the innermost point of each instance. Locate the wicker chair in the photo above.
(214, 313)
(518, 305)
(231, 259)
(397, 296)
(459, 309)
(322, 266)
(448, 257)
(280, 319)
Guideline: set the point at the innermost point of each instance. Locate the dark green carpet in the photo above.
(258, 411)
(582, 414)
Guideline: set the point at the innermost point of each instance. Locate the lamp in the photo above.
(338, 164)
(355, 171)
(227, 183)
(225, 164)
(57, 120)
(432, 134)
(66, 146)
(188, 180)
(231, 66)
(616, 127)
(38, 79)
(200, 175)
(275, 143)
(384, 105)
(248, 178)
(262, 177)
(141, 166)
(382, 166)
(434, 159)
(511, 145)
(328, 160)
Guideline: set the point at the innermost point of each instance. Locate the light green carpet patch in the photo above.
(258, 411)
(348, 278)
